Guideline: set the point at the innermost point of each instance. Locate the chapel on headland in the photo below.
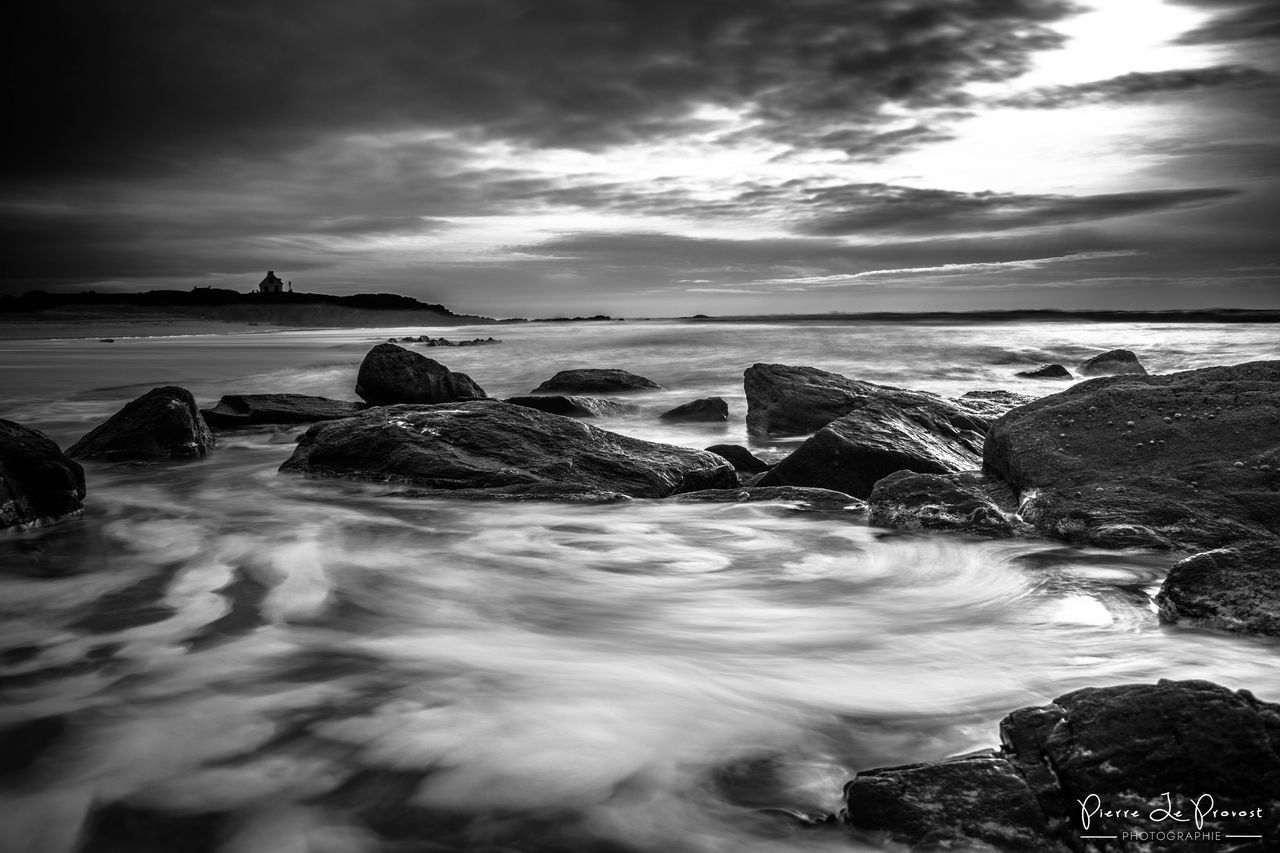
(273, 284)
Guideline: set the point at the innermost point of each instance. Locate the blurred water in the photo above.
(223, 659)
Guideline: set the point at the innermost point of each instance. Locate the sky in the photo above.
(650, 157)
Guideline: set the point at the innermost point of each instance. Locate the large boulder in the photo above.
(486, 444)
(1230, 589)
(705, 409)
(954, 503)
(1155, 761)
(571, 406)
(237, 410)
(38, 483)
(787, 400)
(1183, 460)
(390, 374)
(1111, 363)
(163, 423)
(596, 381)
(852, 453)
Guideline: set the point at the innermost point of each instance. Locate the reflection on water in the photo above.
(218, 658)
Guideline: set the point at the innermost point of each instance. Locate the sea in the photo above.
(218, 657)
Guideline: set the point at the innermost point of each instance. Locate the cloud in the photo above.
(153, 85)
(1138, 85)
(1242, 21)
(869, 209)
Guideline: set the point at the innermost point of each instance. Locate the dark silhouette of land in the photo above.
(1200, 315)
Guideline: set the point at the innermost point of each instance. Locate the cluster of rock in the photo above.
(1187, 461)
(1154, 764)
(1110, 363)
(444, 342)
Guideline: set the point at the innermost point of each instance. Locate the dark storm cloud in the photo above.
(103, 87)
(862, 209)
(1138, 85)
(1235, 21)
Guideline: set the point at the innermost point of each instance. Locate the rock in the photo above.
(573, 406)
(706, 409)
(487, 444)
(852, 453)
(1148, 460)
(161, 424)
(743, 460)
(1230, 589)
(1098, 761)
(595, 381)
(38, 484)
(953, 503)
(390, 374)
(1142, 747)
(1112, 362)
(236, 410)
(1049, 371)
(787, 400)
(815, 499)
(978, 799)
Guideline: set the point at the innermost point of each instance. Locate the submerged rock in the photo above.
(1112, 362)
(787, 400)
(743, 460)
(1183, 460)
(706, 409)
(852, 453)
(1049, 371)
(595, 381)
(390, 374)
(817, 499)
(236, 410)
(991, 404)
(38, 483)
(486, 444)
(573, 406)
(1100, 761)
(1230, 589)
(161, 424)
(954, 503)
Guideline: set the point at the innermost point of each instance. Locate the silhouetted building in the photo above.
(271, 284)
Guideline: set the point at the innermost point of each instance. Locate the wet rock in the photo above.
(595, 381)
(1112, 362)
(954, 503)
(1125, 460)
(974, 800)
(38, 483)
(816, 499)
(1229, 589)
(1049, 371)
(787, 400)
(993, 403)
(487, 444)
(852, 453)
(161, 424)
(1140, 747)
(390, 374)
(237, 410)
(1115, 756)
(573, 406)
(743, 460)
(705, 409)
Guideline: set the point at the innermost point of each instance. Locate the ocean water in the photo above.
(216, 657)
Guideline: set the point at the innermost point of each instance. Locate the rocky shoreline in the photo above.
(1186, 462)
